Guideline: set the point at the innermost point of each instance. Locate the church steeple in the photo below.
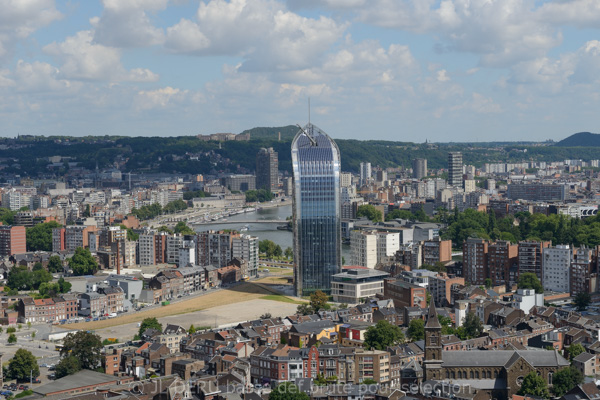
(433, 345)
(432, 317)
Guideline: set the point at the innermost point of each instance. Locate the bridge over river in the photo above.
(243, 222)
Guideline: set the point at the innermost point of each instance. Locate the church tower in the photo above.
(433, 345)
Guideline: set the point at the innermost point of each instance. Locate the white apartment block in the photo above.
(345, 179)
(556, 263)
(388, 243)
(363, 248)
(187, 255)
(246, 248)
(146, 249)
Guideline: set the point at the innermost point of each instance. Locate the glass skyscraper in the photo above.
(317, 229)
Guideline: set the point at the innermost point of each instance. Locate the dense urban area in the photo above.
(134, 268)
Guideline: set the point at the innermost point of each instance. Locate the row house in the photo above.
(36, 310)
(115, 297)
(169, 283)
(92, 305)
(193, 278)
(274, 365)
(47, 310)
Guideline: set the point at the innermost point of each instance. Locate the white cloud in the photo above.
(263, 32)
(125, 23)
(40, 77)
(186, 37)
(82, 59)
(20, 18)
(159, 98)
(501, 32)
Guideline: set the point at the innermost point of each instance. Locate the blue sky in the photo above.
(409, 70)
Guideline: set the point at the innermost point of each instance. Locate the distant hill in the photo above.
(581, 139)
(287, 133)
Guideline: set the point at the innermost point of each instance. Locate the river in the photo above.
(267, 231)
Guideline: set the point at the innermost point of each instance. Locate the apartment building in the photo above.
(583, 275)
(556, 265)
(215, 248)
(475, 261)
(440, 287)
(530, 257)
(245, 247)
(372, 364)
(12, 240)
(502, 255)
(355, 284)
(363, 246)
(437, 250)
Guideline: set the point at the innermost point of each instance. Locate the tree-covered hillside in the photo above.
(28, 155)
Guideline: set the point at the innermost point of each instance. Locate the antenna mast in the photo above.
(312, 139)
(309, 110)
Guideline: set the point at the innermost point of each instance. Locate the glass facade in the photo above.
(316, 215)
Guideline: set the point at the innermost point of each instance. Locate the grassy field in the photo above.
(242, 292)
(285, 299)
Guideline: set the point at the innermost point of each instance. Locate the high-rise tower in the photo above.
(419, 166)
(267, 169)
(316, 215)
(455, 169)
(365, 173)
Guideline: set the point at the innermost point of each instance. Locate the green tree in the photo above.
(192, 329)
(582, 301)
(369, 211)
(304, 309)
(39, 237)
(23, 365)
(399, 214)
(7, 216)
(40, 276)
(12, 338)
(131, 235)
(472, 325)
(82, 262)
(369, 381)
(446, 323)
(64, 286)
(488, 283)
(20, 278)
(182, 228)
(85, 346)
(529, 280)
(287, 391)
(382, 334)
(164, 228)
(318, 301)
(260, 195)
(55, 264)
(289, 253)
(149, 323)
(565, 380)
(534, 385)
(416, 329)
(67, 366)
(574, 350)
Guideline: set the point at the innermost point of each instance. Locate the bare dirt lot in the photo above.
(241, 293)
(224, 315)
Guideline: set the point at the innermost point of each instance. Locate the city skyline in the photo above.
(447, 71)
